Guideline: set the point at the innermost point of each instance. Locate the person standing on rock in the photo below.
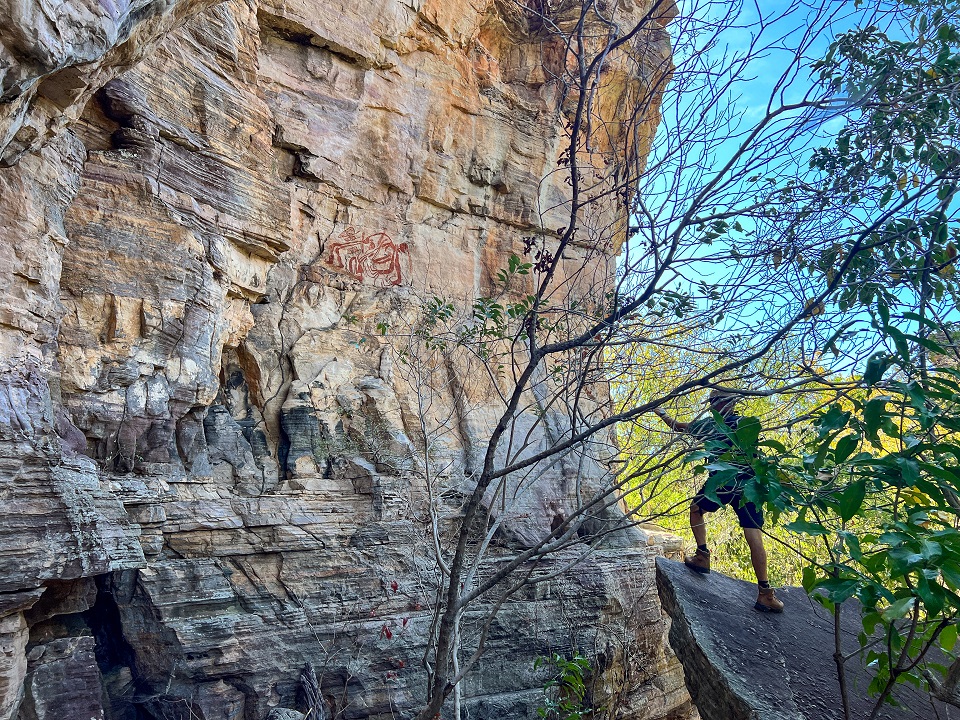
(716, 442)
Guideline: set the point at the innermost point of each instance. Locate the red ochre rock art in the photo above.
(373, 258)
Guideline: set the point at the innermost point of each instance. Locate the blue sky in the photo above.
(792, 36)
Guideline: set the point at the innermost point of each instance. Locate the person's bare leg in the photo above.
(767, 600)
(700, 560)
(698, 525)
(758, 553)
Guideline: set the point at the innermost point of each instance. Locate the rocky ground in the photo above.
(744, 665)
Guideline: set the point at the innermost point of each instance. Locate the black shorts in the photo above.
(750, 515)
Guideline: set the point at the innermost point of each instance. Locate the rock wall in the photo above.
(208, 454)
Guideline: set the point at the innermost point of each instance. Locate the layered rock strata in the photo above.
(209, 476)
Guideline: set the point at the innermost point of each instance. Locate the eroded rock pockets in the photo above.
(208, 451)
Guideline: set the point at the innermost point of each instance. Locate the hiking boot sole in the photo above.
(697, 568)
(764, 609)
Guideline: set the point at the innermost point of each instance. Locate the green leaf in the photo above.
(931, 551)
(904, 559)
(910, 315)
(843, 144)
(900, 341)
(946, 475)
(773, 445)
(809, 578)
(831, 342)
(838, 589)
(853, 544)
(877, 365)
(721, 473)
(931, 594)
(834, 419)
(873, 415)
(951, 574)
(884, 311)
(909, 470)
(851, 499)
(928, 344)
(894, 538)
(948, 637)
(748, 432)
(899, 608)
(845, 447)
(806, 528)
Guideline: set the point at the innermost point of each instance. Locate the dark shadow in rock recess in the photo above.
(114, 655)
(740, 664)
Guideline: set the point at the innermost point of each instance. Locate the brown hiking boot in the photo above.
(767, 601)
(699, 561)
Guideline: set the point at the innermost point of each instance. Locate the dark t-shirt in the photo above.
(715, 441)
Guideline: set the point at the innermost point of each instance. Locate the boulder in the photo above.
(741, 664)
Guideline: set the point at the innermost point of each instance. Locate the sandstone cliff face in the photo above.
(208, 454)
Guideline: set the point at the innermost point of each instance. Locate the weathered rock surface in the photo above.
(54, 56)
(745, 665)
(208, 456)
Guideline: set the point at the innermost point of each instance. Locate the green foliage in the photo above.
(894, 161)
(877, 482)
(515, 266)
(878, 485)
(853, 256)
(565, 691)
(664, 493)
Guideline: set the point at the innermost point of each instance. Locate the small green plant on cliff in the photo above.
(565, 691)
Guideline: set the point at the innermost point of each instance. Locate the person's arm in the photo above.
(669, 421)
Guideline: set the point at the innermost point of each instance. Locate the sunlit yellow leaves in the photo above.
(813, 307)
(915, 496)
(949, 269)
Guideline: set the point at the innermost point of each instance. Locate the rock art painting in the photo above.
(374, 258)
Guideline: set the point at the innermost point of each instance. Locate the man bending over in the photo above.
(750, 516)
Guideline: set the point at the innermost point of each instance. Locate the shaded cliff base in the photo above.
(744, 665)
(180, 641)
